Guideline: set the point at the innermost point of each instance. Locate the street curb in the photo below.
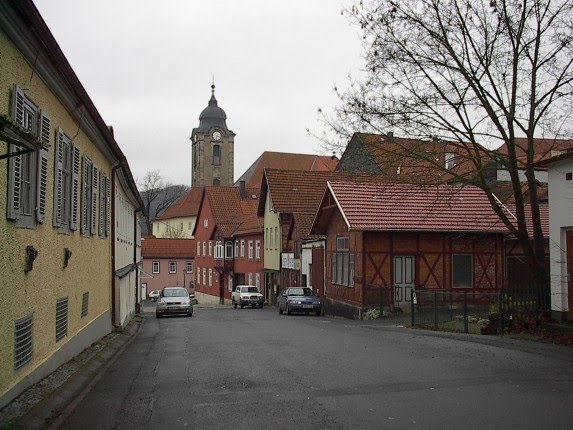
(51, 412)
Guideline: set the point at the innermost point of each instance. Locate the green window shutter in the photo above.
(14, 185)
(43, 157)
(75, 188)
(94, 196)
(58, 180)
(86, 195)
(18, 105)
(102, 204)
(107, 206)
(42, 186)
(44, 129)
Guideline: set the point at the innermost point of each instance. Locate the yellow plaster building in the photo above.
(56, 221)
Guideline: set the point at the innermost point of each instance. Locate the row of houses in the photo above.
(361, 228)
(70, 233)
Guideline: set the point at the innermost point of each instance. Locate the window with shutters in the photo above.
(28, 173)
(66, 183)
(89, 197)
(104, 205)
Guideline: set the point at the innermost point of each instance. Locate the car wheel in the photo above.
(235, 304)
(261, 306)
(158, 315)
(190, 314)
(280, 310)
(254, 306)
(242, 305)
(287, 310)
(317, 313)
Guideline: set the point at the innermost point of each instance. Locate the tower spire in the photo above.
(213, 86)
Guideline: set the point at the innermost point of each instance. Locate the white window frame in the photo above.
(257, 249)
(242, 248)
(153, 269)
(210, 277)
(189, 267)
(251, 251)
(172, 266)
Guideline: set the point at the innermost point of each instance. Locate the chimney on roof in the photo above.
(390, 135)
(242, 191)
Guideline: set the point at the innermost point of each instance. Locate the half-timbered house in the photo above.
(384, 239)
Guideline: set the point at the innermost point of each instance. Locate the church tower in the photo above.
(212, 148)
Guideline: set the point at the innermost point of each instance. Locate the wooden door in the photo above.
(403, 281)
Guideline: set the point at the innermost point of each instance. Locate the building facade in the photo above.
(167, 263)
(56, 199)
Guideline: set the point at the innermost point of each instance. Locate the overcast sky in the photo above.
(148, 65)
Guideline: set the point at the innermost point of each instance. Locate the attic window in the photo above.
(206, 222)
(450, 160)
(568, 176)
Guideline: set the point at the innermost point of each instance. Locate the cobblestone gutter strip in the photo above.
(41, 404)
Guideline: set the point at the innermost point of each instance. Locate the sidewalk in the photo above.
(44, 405)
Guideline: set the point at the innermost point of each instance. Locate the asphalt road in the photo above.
(252, 368)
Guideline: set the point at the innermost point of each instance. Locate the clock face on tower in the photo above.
(216, 135)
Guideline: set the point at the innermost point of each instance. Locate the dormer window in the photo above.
(450, 160)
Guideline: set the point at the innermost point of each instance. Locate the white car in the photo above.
(154, 295)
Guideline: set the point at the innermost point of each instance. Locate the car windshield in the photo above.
(300, 292)
(252, 290)
(175, 292)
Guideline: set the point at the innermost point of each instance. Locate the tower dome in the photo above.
(212, 116)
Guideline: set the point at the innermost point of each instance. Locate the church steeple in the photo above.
(212, 147)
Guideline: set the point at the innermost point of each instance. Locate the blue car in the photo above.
(299, 299)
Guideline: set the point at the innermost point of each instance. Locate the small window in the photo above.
(23, 341)
(210, 277)
(258, 249)
(219, 250)
(172, 267)
(342, 244)
(210, 248)
(198, 249)
(242, 248)
(251, 251)
(229, 250)
(462, 271)
(204, 248)
(216, 155)
(61, 318)
(450, 160)
(236, 248)
(206, 222)
(198, 275)
(216, 182)
(85, 304)
(155, 267)
(189, 267)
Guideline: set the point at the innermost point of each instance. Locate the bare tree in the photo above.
(477, 74)
(158, 195)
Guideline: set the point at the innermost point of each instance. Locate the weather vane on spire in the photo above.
(213, 85)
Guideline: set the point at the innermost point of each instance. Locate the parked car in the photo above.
(299, 299)
(154, 295)
(174, 300)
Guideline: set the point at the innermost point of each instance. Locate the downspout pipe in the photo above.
(137, 308)
(113, 242)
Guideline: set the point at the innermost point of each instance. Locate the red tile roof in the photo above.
(544, 148)
(186, 206)
(152, 247)
(377, 206)
(300, 192)
(287, 161)
(414, 160)
(231, 211)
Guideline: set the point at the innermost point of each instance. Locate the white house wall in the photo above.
(560, 220)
